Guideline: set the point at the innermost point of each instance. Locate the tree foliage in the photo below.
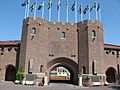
(19, 73)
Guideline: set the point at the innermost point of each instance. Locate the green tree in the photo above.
(19, 73)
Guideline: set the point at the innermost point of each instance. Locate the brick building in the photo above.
(45, 45)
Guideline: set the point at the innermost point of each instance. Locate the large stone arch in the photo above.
(10, 73)
(68, 64)
(111, 75)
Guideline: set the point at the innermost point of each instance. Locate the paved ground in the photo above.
(54, 86)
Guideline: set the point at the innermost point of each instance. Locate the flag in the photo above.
(24, 3)
(66, 4)
(86, 9)
(98, 6)
(49, 4)
(73, 6)
(40, 6)
(32, 7)
(58, 6)
(93, 7)
(80, 9)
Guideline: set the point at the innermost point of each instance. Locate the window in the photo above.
(9, 49)
(118, 69)
(117, 54)
(63, 35)
(107, 52)
(41, 68)
(113, 53)
(2, 49)
(30, 65)
(33, 32)
(94, 68)
(84, 70)
(93, 34)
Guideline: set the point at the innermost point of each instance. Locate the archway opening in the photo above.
(10, 74)
(111, 75)
(67, 64)
(61, 74)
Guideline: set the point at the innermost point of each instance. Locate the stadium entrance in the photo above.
(62, 70)
(60, 74)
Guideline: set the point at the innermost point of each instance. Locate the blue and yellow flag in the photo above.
(58, 5)
(93, 7)
(67, 4)
(40, 6)
(24, 3)
(86, 9)
(98, 6)
(32, 7)
(49, 4)
(80, 9)
(73, 6)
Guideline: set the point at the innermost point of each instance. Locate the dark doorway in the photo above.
(10, 74)
(111, 75)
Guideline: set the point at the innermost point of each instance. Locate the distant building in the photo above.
(45, 45)
(60, 73)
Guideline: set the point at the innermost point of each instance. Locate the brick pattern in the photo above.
(8, 56)
(46, 48)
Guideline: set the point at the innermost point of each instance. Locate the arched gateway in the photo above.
(69, 64)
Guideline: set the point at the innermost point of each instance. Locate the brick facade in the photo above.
(76, 46)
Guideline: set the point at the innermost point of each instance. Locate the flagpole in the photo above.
(96, 12)
(50, 11)
(100, 13)
(67, 11)
(26, 11)
(81, 13)
(59, 12)
(35, 11)
(28, 8)
(43, 10)
(89, 12)
(75, 10)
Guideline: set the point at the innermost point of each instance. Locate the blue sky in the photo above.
(12, 14)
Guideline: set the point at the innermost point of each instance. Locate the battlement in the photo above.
(82, 24)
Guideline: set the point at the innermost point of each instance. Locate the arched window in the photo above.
(33, 31)
(30, 66)
(84, 70)
(94, 72)
(93, 34)
(93, 68)
(117, 54)
(41, 68)
(118, 69)
(107, 52)
(63, 35)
